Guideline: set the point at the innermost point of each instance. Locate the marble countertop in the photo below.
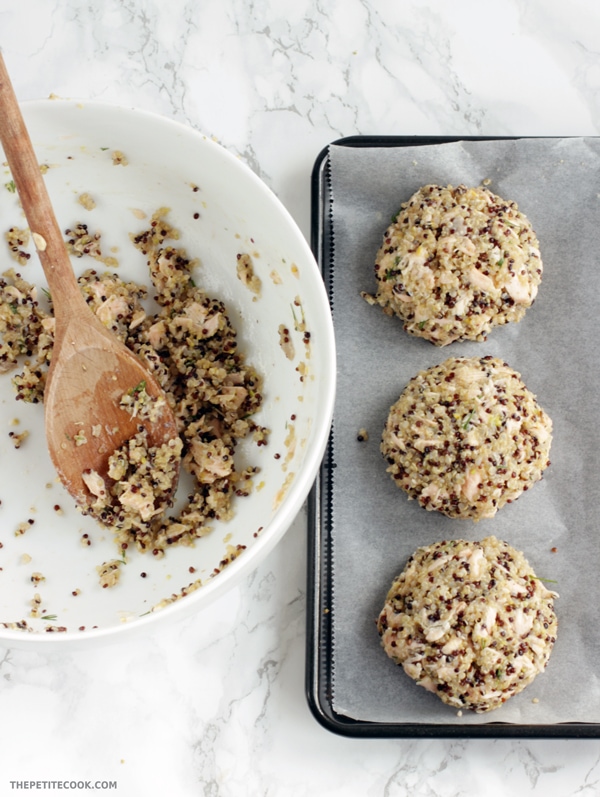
(215, 704)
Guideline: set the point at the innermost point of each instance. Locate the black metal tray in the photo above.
(320, 604)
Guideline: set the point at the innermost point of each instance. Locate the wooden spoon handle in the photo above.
(34, 198)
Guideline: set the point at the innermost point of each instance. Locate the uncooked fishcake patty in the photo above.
(456, 262)
(466, 437)
(470, 622)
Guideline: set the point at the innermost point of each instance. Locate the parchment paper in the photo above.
(556, 183)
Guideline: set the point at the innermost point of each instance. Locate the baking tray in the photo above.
(320, 592)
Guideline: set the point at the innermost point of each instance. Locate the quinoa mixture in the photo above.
(190, 346)
(470, 622)
(456, 262)
(142, 479)
(466, 437)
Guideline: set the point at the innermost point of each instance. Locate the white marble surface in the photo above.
(215, 705)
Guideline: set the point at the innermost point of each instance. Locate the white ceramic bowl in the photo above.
(237, 213)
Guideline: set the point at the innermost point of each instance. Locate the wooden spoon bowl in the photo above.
(90, 370)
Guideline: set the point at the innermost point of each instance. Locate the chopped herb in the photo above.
(138, 388)
(49, 617)
(422, 324)
(298, 325)
(468, 419)
(11, 187)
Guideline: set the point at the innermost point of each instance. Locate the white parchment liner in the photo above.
(556, 183)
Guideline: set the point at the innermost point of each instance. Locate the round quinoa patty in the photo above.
(466, 437)
(456, 262)
(470, 622)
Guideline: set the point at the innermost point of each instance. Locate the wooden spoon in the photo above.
(91, 370)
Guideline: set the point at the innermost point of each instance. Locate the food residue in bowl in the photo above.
(119, 159)
(80, 241)
(18, 240)
(109, 573)
(286, 342)
(86, 201)
(190, 346)
(246, 274)
(19, 438)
